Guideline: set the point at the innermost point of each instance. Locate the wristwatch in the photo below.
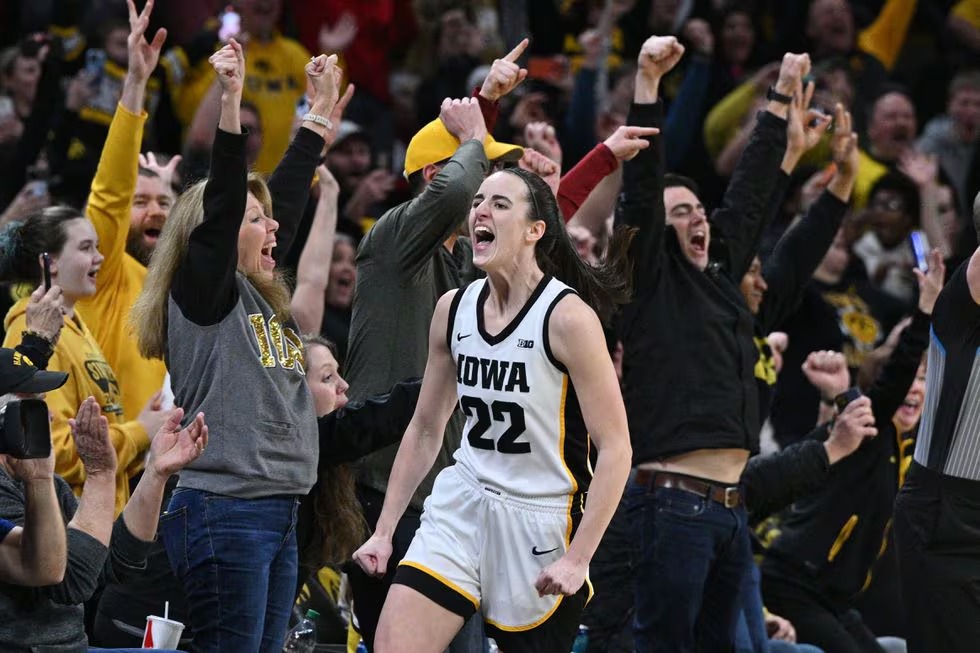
(776, 96)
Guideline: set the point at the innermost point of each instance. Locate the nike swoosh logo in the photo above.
(460, 336)
(534, 551)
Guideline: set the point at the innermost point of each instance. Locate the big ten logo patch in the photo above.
(277, 342)
(102, 376)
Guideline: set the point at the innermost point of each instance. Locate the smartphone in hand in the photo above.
(46, 267)
(94, 64)
(919, 248)
(231, 25)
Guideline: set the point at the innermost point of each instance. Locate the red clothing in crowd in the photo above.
(382, 26)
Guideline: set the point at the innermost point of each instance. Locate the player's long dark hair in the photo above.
(603, 286)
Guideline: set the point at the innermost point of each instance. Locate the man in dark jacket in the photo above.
(691, 394)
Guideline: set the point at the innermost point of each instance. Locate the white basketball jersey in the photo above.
(524, 432)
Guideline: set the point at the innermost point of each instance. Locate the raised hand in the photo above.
(931, 281)
(658, 56)
(541, 137)
(844, 143)
(165, 172)
(324, 75)
(46, 313)
(505, 74)
(339, 37)
(827, 372)
(229, 64)
(626, 142)
(923, 169)
(463, 119)
(804, 126)
(143, 56)
(173, 448)
(791, 73)
(374, 188)
(90, 430)
(542, 166)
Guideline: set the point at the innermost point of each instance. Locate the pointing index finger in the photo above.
(516, 53)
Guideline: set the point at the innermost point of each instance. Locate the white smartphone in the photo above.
(231, 24)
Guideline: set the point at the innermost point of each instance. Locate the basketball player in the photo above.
(507, 530)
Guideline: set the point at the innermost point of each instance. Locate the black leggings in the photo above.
(816, 621)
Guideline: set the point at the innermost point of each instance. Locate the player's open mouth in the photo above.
(482, 237)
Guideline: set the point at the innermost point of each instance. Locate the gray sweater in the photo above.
(402, 270)
(246, 374)
(51, 619)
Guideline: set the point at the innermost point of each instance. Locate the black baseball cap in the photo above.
(18, 374)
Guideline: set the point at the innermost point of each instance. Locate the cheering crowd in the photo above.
(475, 325)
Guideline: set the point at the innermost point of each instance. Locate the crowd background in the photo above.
(907, 71)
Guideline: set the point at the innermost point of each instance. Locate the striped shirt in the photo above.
(949, 433)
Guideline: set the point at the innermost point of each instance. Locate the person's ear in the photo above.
(430, 171)
(536, 231)
(53, 266)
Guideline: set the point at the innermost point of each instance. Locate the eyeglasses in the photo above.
(892, 204)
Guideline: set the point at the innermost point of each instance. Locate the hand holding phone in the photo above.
(231, 25)
(94, 64)
(919, 249)
(46, 268)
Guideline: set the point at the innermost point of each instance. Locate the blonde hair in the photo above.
(149, 314)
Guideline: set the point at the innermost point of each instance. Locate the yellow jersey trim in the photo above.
(445, 581)
(531, 626)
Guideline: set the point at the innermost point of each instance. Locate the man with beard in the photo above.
(151, 205)
(891, 133)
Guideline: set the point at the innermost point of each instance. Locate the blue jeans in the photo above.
(750, 635)
(237, 562)
(693, 555)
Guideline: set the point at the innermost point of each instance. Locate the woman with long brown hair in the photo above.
(214, 307)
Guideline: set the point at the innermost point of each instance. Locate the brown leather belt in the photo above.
(729, 496)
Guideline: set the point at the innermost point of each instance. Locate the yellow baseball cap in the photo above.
(433, 143)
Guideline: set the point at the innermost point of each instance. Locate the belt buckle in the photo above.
(731, 497)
